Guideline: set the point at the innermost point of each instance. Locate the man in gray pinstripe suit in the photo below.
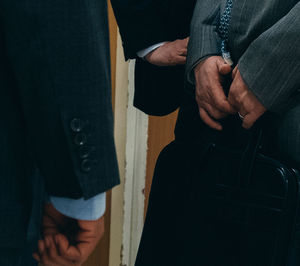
(263, 39)
(259, 40)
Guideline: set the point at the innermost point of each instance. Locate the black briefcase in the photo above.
(251, 207)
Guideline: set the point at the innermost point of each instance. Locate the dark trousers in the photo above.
(23, 256)
(171, 233)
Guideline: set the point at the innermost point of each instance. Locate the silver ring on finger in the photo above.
(242, 117)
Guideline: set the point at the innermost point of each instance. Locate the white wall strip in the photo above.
(117, 211)
(136, 158)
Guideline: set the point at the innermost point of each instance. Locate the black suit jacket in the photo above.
(55, 105)
(158, 90)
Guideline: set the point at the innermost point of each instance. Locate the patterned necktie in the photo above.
(223, 32)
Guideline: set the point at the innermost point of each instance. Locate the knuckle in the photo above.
(221, 105)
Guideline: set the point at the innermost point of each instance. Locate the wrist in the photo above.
(143, 53)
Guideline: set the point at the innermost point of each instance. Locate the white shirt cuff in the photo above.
(80, 209)
(148, 50)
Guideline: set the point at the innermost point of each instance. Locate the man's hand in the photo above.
(67, 241)
(210, 96)
(169, 54)
(244, 101)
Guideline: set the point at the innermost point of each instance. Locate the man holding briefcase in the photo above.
(260, 41)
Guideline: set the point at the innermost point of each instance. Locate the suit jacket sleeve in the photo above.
(204, 39)
(141, 24)
(59, 53)
(271, 64)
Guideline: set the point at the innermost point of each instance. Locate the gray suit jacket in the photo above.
(264, 39)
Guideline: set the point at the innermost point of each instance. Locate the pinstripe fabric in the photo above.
(204, 39)
(264, 41)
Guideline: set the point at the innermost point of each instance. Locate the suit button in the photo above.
(84, 152)
(86, 166)
(76, 125)
(80, 139)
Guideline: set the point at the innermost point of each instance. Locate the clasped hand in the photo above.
(169, 54)
(214, 104)
(67, 242)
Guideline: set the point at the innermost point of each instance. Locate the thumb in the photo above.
(234, 72)
(223, 68)
(186, 41)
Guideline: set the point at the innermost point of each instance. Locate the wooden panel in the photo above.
(160, 133)
(100, 256)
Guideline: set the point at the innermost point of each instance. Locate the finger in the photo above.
(53, 254)
(180, 60)
(183, 43)
(238, 96)
(249, 120)
(220, 100)
(213, 112)
(74, 253)
(232, 101)
(51, 248)
(224, 69)
(45, 258)
(183, 52)
(62, 244)
(208, 120)
(42, 252)
(234, 72)
(242, 111)
(218, 96)
(66, 250)
(237, 104)
(41, 246)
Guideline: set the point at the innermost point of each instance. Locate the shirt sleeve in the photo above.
(80, 209)
(144, 52)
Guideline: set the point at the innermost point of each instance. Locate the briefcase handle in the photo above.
(250, 154)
